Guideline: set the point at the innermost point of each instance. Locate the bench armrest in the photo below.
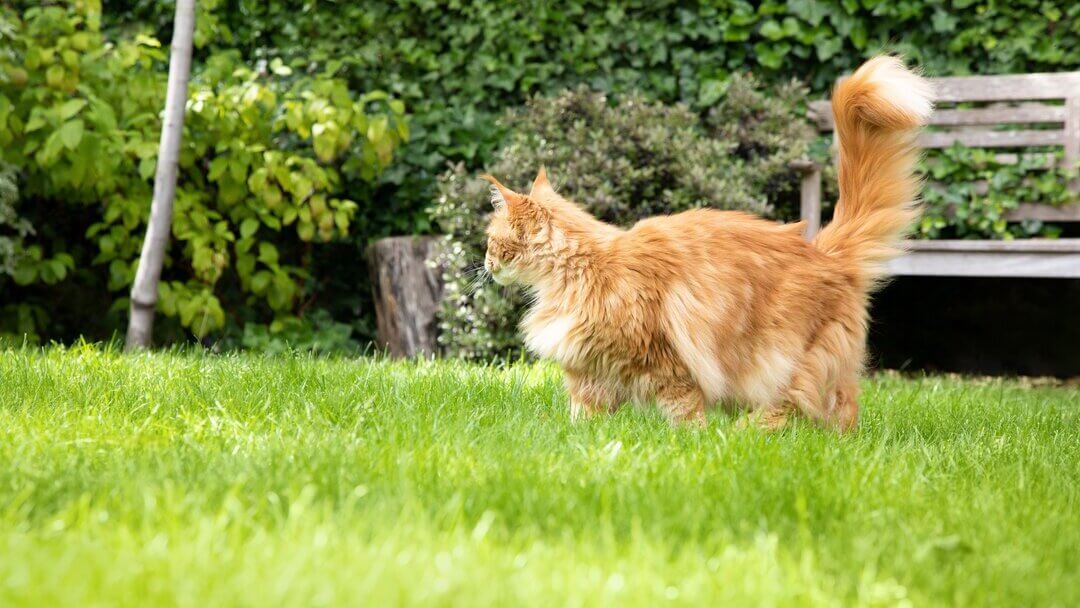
(803, 166)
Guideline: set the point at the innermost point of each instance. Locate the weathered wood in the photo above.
(1001, 115)
(1046, 213)
(407, 288)
(1025, 113)
(991, 139)
(988, 264)
(1006, 88)
(1039, 159)
(820, 111)
(1019, 245)
(810, 201)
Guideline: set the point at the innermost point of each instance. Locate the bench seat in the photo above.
(1038, 258)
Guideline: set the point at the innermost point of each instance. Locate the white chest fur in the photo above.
(550, 337)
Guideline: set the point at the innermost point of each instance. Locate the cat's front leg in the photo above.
(773, 418)
(682, 402)
(588, 397)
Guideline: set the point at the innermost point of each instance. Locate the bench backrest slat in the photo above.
(1014, 87)
(984, 138)
(1027, 113)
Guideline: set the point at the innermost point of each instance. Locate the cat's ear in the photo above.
(526, 213)
(501, 196)
(541, 185)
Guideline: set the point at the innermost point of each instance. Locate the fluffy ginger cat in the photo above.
(714, 306)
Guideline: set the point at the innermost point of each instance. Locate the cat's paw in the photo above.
(771, 419)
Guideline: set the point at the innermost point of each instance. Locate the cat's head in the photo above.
(521, 232)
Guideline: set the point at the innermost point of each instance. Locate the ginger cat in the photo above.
(708, 306)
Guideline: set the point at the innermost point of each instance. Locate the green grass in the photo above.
(195, 480)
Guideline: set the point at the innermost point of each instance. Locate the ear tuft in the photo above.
(541, 183)
(500, 194)
(497, 199)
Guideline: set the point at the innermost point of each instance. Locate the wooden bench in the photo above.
(1025, 99)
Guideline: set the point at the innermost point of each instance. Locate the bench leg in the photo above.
(810, 202)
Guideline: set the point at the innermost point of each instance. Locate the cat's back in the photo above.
(712, 233)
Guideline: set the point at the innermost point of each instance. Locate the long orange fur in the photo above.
(708, 306)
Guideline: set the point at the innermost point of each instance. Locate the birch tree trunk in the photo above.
(144, 292)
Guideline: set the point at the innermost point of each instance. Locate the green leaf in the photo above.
(771, 55)
(828, 47)
(54, 76)
(147, 167)
(149, 41)
(217, 168)
(306, 231)
(25, 274)
(71, 108)
(260, 281)
(268, 254)
(53, 144)
(71, 133)
(943, 21)
(37, 120)
(711, 91)
(811, 11)
(772, 30)
(279, 68)
(324, 138)
(248, 227)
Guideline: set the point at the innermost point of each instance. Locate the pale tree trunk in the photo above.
(144, 292)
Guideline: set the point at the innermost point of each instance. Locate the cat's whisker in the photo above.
(478, 276)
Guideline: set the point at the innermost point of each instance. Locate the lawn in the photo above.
(196, 480)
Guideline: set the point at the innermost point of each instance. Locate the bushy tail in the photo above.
(878, 111)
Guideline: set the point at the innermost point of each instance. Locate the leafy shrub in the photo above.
(974, 191)
(265, 158)
(317, 333)
(623, 160)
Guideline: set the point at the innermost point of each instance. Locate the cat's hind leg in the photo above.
(825, 385)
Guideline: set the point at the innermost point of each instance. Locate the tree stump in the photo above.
(407, 288)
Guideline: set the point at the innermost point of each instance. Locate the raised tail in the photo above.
(878, 111)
